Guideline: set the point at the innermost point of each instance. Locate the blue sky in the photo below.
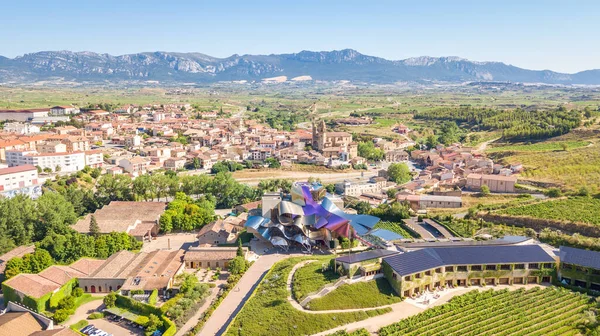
(557, 35)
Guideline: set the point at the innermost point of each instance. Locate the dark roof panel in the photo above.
(580, 257)
(424, 259)
(363, 256)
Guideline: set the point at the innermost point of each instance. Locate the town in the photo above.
(178, 241)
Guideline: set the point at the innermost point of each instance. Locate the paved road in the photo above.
(84, 310)
(233, 302)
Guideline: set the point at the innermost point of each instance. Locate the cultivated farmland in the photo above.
(551, 311)
(576, 209)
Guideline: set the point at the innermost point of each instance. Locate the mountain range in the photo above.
(347, 64)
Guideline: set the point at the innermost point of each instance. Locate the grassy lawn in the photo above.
(79, 325)
(545, 146)
(311, 277)
(85, 298)
(269, 313)
(577, 209)
(394, 227)
(358, 295)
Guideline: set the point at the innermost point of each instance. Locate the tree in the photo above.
(485, 190)
(240, 250)
(431, 141)
(238, 266)
(55, 214)
(583, 191)
(39, 169)
(196, 163)
(110, 300)
(61, 315)
(391, 193)
(153, 324)
(48, 170)
(273, 163)
(57, 168)
(553, 192)
(362, 207)
(94, 227)
(142, 187)
(399, 173)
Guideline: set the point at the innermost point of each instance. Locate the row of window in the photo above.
(475, 268)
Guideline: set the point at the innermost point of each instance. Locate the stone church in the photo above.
(333, 144)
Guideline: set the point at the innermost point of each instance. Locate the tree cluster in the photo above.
(399, 173)
(185, 214)
(367, 150)
(515, 124)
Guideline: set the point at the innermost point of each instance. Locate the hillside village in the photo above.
(158, 252)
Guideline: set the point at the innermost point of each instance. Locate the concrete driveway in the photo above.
(234, 301)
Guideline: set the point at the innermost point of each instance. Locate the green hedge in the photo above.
(153, 298)
(64, 291)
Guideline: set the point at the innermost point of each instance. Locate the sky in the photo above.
(557, 35)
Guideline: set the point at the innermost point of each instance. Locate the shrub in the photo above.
(153, 298)
(142, 320)
(553, 192)
(61, 315)
(96, 315)
(110, 300)
(68, 303)
(77, 292)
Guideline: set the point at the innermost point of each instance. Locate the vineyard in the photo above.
(394, 227)
(540, 147)
(550, 311)
(576, 209)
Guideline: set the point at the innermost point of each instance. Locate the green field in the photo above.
(539, 147)
(576, 209)
(394, 227)
(375, 293)
(312, 277)
(551, 311)
(572, 169)
(269, 313)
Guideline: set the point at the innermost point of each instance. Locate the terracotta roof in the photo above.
(26, 110)
(19, 323)
(32, 285)
(216, 226)
(60, 274)
(16, 252)
(56, 332)
(210, 253)
(87, 266)
(121, 216)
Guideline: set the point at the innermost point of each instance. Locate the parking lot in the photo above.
(115, 328)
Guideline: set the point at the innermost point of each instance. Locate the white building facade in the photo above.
(20, 180)
(64, 162)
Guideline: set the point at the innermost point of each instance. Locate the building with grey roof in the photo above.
(579, 268)
(429, 268)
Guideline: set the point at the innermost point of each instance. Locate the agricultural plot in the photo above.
(546, 146)
(576, 209)
(550, 311)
